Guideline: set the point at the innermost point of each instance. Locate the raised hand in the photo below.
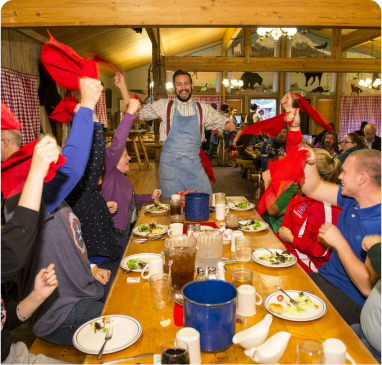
(119, 80)
(91, 90)
(133, 106)
(156, 194)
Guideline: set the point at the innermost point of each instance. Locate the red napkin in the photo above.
(64, 111)
(178, 315)
(66, 66)
(102, 63)
(207, 165)
(210, 224)
(8, 119)
(284, 173)
(216, 133)
(15, 170)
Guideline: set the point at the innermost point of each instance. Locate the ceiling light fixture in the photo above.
(276, 33)
(369, 82)
(233, 83)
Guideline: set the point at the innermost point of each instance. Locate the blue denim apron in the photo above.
(180, 166)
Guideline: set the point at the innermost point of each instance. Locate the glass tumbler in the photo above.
(242, 276)
(243, 248)
(160, 285)
(310, 352)
(219, 198)
(175, 352)
(232, 221)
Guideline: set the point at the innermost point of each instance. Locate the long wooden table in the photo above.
(133, 299)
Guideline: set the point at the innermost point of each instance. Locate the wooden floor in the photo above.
(144, 181)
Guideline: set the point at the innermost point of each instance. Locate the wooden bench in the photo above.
(246, 164)
(64, 353)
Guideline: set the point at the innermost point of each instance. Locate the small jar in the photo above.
(211, 273)
(190, 230)
(201, 274)
(160, 285)
(197, 230)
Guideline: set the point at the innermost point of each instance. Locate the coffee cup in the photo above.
(220, 211)
(154, 266)
(175, 229)
(335, 352)
(246, 301)
(233, 237)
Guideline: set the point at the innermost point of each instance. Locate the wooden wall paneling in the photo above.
(198, 13)
(337, 103)
(247, 44)
(325, 107)
(282, 74)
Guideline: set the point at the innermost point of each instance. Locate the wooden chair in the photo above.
(246, 164)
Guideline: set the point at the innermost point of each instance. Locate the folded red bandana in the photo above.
(8, 119)
(64, 111)
(66, 66)
(102, 63)
(207, 165)
(15, 170)
(284, 173)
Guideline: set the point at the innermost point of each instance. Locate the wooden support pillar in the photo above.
(223, 87)
(282, 74)
(159, 72)
(336, 54)
(247, 45)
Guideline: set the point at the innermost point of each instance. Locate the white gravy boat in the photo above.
(270, 351)
(254, 336)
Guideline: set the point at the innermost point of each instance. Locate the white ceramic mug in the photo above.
(192, 338)
(220, 211)
(235, 234)
(154, 266)
(175, 197)
(246, 301)
(335, 352)
(175, 229)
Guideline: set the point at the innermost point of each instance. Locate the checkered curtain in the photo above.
(204, 99)
(19, 93)
(356, 109)
(100, 110)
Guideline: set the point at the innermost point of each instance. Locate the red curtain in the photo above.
(19, 93)
(204, 99)
(356, 109)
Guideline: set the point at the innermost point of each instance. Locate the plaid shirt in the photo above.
(158, 110)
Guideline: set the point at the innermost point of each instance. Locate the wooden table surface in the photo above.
(133, 299)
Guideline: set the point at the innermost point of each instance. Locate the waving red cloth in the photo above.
(207, 165)
(134, 96)
(312, 112)
(64, 111)
(102, 63)
(66, 66)
(284, 173)
(8, 119)
(271, 127)
(15, 170)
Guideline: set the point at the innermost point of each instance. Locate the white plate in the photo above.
(126, 331)
(263, 227)
(309, 315)
(147, 207)
(231, 205)
(135, 231)
(257, 253)
(207, 228)
(140, 256)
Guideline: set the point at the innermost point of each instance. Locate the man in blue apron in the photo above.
(181, 133)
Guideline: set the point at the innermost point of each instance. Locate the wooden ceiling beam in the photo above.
(229, 37)
(351, 14)
(272, 64)
(336, 51)
(359, 37)
(154, 36)
(33, 35)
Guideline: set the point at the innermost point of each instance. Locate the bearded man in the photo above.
(181, 133)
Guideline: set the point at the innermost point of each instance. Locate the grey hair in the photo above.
(14, 136)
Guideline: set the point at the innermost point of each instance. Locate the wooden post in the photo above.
(159, 72)
(282, 74)
(247, 44)
(336, 54)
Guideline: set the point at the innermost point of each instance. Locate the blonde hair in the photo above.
(328, 168)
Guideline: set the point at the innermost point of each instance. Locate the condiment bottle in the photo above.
(197, 230)
(175, 206)
(201, 274)
(190, 230)
(211, 273)
(221, 271)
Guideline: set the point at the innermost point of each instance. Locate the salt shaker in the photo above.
(201, 274)
(190, 231)
(211, 273)
(197, 230)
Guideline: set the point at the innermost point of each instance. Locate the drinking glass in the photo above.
(177, 218)
(243, 248)
(242, 276)
(232, 221)
(219, 198)
(210, 249)
(175, 352)
(310, 352)
(160, 285)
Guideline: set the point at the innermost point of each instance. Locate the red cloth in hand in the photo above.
(207, 165)
(102, 63)
(293, 141)
(216, 133)
(66, 66)
(284, 173)
(134, 96)
(8, 119)
(64, 111)
(178, 315)
(270, 127)
(15, 170)
(312, 112)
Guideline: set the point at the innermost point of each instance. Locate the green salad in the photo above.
(251, 225)
(303, 302)
(136, 264)
(277, 259)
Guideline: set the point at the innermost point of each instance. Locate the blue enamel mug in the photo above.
(210, 308)
(197, 207)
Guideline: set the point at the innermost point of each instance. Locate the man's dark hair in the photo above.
(363, 125)
(180, 72)
(225, 108)
(253, 107)
(214, 106)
